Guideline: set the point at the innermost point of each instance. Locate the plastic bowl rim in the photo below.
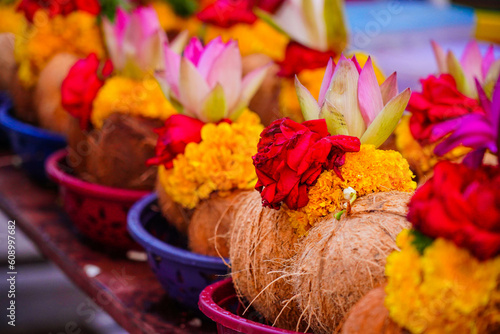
(13, 124)
(228, 319)
(83, 187)
(172, 253)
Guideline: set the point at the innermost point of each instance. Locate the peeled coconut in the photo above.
(370, 316)
(261, 246)
(7, 60)
(210, 225)
(116, 154)
(339, 262)
(266, 101)
(47, 94)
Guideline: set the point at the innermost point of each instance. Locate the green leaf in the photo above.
(420, 241)
(335, 24)
(109, 7)
(308, 104)
(387, 120)
(214, 107)
(183, 8)
(458, 74)
(335, 121)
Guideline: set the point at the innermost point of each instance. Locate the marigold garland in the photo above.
(221, 162)
(367, 171)
(77, 33)
(445, 290)
(12, 21)
(422, 157)
(141, 98)
(259, 37)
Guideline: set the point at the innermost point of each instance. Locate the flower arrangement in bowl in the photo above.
(312, 243)
(444, 98)
(48, 41)
(114, 106)
(445, 276)
(204, 154)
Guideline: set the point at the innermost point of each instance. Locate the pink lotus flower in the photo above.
(471, 66)
(206, 83)
(352, 102)
(135, 41)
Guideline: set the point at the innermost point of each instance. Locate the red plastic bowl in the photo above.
(220, 303)
(98, 212)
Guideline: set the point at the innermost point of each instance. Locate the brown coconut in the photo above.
(78, 147)
(339, 262)
(22, 99)
(173, 212)
(7, 60)
(117, 153)
(210, 226)
(266, 101)
(261, 244)
(47, 94)
(370, 316)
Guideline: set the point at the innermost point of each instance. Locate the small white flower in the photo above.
(349, 193)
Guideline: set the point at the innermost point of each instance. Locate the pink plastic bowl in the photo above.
(98, 212)
(220, 303)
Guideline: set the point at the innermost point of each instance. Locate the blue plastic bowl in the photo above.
(32, 144)
(182, 273)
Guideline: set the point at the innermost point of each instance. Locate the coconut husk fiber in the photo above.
(7, 60)
(116, 154)
(47, 94)
(211, 223)
(339, 262)
(370, 316)
(266, 101)
(261, 245)
(174, 213)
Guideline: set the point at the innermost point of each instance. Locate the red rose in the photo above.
(270, 6)
(291, 156)
(439, 101)
(299, 57)
(80, 87)
(179, 130)
(226, 13)
(460, 204)
(29, 7)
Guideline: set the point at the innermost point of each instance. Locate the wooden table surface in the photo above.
(127, 290)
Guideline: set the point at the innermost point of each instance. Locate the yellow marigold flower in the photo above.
(258, 37)
(12, 21)
(77, 33)
(367, 171)
(445, 290)
(421, 158)
(169, 21)
(221, 162)
(141, 98)
(312, 80)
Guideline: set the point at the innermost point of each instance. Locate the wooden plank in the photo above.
(125, 289)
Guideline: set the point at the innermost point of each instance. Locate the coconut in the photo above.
(261, 245)
(47, 94)
(22, 99)
(209, 229)
(7, 60)
(266, 101)
(78, 147)
(370, 316)
(174, 213)
(338, 262)
(116, 154)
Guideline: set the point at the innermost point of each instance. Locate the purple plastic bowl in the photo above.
(98, 212)
(220, 303)
(182, 273)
